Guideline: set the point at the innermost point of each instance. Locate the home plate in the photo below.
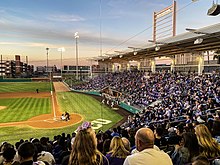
(50, 120)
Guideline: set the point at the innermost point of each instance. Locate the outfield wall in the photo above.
(88, 92)
(121, 104)
(16, 80)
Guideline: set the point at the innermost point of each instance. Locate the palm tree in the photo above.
(217, 56)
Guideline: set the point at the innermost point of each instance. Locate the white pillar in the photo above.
(153, 65)
(172, 69)
(138, 65)
(128, 66)
(201, 64)
(113, 67)
(91, 71)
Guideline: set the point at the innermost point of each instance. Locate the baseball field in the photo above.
(26, 114)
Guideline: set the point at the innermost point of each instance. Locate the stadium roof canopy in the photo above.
(193, 41)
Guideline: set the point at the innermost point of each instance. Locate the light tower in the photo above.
(77, 64)
(47, 49)
(61, 50)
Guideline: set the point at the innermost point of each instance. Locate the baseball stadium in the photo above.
(156, 104)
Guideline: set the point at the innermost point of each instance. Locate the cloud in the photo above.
(65, 18)
(28, 44)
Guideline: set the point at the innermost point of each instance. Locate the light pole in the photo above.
(47, 49)
(61, 60)
(77, 64)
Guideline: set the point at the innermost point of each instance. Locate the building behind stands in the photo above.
(15, 68)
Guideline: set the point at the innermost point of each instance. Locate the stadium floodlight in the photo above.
(110, 56)
(157, 48)
(77, 58)
(214, 10)
(198, 41)
(47, 49)
(61, 61)
(120, 53)
(135, 50)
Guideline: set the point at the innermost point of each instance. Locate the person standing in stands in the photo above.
(144, 141)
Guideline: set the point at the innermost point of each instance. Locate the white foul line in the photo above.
(54, 111)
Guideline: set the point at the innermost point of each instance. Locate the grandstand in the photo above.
(183, 51)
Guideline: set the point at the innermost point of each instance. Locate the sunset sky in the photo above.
(28, 27)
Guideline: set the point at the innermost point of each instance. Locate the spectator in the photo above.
(26, 153)
(201, 160)
(159, 139)
(117, 153)
(115, 132)
(131, 133)
(144, 140)
(45, 142)
(106, 146)
(8, 155)
(208, 145)
(187, 150)
(43, 155)
(126, 144)
(84, 149)
(3, 147)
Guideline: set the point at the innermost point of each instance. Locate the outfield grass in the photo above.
(87, 106)
(24, 87)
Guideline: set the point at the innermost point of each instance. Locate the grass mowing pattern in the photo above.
(21, 109)
(89, 107)
(24, 87)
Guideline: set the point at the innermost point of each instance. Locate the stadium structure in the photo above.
(192, 51)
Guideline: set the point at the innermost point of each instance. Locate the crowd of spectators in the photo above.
(182, 128)
(176, 91)
(128, 147)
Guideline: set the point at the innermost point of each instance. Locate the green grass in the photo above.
(87, 106)
(21, 109)
(24, 87)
